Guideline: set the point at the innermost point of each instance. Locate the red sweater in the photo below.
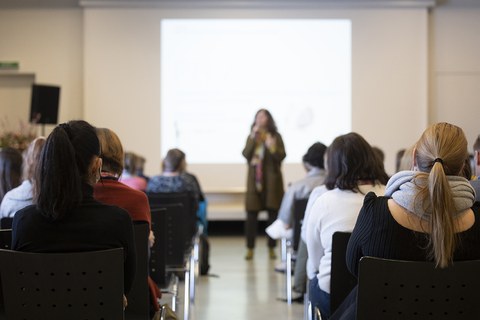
(112, 192)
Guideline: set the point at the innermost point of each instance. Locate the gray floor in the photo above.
(240, 289)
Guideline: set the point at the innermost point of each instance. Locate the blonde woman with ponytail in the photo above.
(428, 214)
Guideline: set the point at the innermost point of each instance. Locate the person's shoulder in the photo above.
(27, 213)
(476, 208)
(115, 213)
(375, 205)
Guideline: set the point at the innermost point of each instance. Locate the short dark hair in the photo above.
(64, 167)
(476, 144)
(350, 158)
(315, 155)
(10, 170)
(173, 160)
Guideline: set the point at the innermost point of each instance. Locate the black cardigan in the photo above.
(91, 226)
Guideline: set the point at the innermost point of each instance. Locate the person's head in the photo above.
(69, 159)
(406, 162)
(129, 162)
(467, 168)
(315, 156)
(112, 151)
(476, 156)
(139, 165)
(398, 159)
(379, 154)
(10, 170)
(351, 161)
(31, 158)
(440, 152)
(174, 161)
(264, 120)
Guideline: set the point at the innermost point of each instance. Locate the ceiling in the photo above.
(232, 3)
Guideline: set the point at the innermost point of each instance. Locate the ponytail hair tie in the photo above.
(438, 160)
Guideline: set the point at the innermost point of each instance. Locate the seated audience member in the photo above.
(476, 159)
(313, 164)
(406, 162)
(173, 178)
(66, 217)
(202, 200)
(310, 269)
(398, 159)
(353, 170)
(426, 215)
(110, 191)
(139, 167)
(129, 176)
(21, 196)
(10, 170)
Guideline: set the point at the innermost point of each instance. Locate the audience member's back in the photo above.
(66, 218)
(22, 196)
(172, 178)
(476, 159)
(10, 170)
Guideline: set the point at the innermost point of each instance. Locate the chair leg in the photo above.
(186, 296)
(288, 271)
(283, 249)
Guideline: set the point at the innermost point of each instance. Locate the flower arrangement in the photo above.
(18, 139)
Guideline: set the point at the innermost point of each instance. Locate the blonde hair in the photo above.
(111, 151)
(406, 162)
(31, 158)
(441, 151)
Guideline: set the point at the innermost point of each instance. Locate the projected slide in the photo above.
(215, 74)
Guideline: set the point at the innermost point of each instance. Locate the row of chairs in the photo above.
(169, 254)
(176, 248)
(70, 265)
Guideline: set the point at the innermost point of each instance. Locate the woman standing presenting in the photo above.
(264, 152)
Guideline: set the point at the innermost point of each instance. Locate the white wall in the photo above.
(456, 69)
(122, 69)
(48, 44)
(122, 78)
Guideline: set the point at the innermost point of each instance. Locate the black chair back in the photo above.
(341, 280)
(5, 238)
(158, 251)
(189, 221)
(299, 212)
(138, 297)
(6, 223)
(393, 289)
(58, 286)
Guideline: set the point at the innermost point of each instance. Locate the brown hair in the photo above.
(441, 151)
(31, 158)
(173, 160)
(350, 158)
(476, 144)
(111, 151)
(271, 125)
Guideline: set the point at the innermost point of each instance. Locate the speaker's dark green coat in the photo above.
(271, 195)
